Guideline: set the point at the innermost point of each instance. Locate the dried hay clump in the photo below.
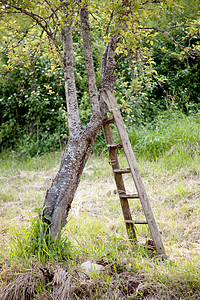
(23, 287)
(109, 285)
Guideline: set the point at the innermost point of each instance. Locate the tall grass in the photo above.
(169, 132)
(36, 242)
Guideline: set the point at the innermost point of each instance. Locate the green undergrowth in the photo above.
(170, 133)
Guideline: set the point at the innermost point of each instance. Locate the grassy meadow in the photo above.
(168, 155)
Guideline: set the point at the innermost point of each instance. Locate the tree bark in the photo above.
(61, 193)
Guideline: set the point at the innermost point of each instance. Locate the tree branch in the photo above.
(70, 87)
(107, 65)
(38, 19)
(89, 61)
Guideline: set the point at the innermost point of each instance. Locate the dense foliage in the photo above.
(157, 76)
(31, 108)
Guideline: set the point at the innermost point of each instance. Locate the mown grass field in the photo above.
(95, 228)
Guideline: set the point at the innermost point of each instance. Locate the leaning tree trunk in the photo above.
(60, 196)
(81, 139)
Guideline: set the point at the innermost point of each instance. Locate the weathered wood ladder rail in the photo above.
(110, 100)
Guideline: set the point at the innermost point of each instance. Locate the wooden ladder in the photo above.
(111, 102)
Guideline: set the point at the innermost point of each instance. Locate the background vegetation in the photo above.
(32, 101)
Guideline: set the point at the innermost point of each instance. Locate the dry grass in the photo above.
(95, 227)
(20, 284)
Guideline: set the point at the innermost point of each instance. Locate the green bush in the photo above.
(32, 110)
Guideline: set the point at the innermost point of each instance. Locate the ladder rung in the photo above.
(140, 222)
(121, 171)
(136, 221)
(115, 146)
(109, 120)
(132, 196)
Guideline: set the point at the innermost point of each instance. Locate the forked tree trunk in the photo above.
(81, 139)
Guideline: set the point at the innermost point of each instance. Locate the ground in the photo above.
(96, 230)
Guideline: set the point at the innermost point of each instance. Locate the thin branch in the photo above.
(159, 83)
(119, 59)
(188, 37)
(165, 32)
(53, 10)
(111, 17)
(167, 29)
(38, 19)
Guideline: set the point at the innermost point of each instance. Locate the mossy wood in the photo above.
(111, 102)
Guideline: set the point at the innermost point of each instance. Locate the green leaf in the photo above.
(48, 218)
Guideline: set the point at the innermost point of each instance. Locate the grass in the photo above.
(172, 131)
(36, 242)
(96, 229)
